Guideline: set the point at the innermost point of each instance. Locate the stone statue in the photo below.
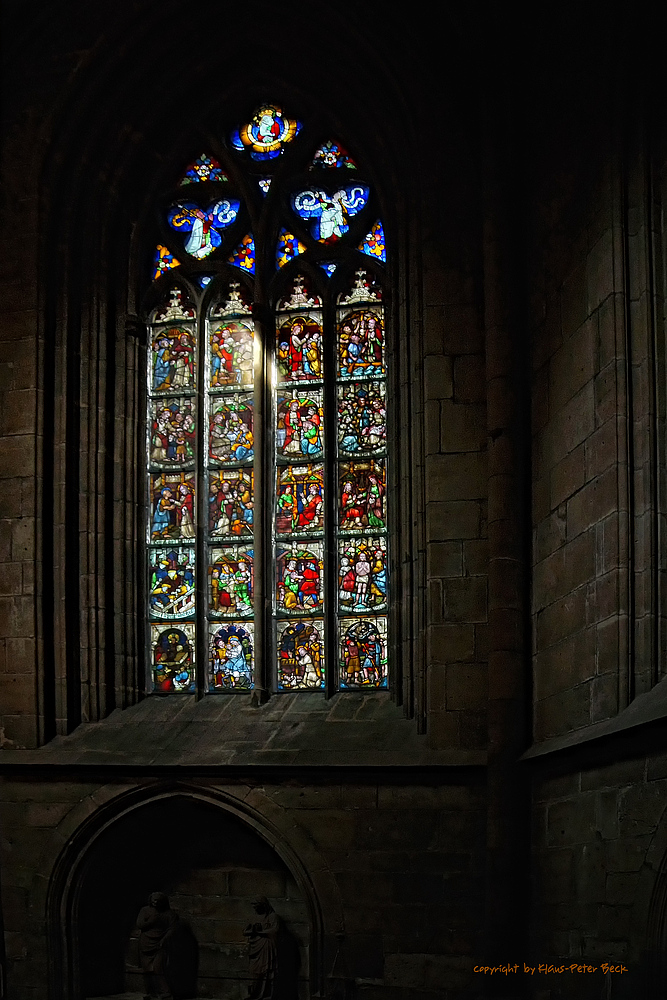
(263, 951)
(156, 922)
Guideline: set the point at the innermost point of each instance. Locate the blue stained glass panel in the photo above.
(231, 656)
(244, 255)
(332, 155)
(163, 261)
(203, 224)
(374, 244)
(204, 168)
(266, 133)
(329, 212)
(287, 248)
(171, 582)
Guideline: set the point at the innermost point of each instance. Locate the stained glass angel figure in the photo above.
(329, 212)
(203, 224)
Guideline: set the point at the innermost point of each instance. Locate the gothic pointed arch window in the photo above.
(266, 428)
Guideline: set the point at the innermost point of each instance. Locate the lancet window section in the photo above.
(267, 532)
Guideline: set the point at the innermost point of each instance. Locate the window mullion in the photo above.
(330, 453)
(201, 492)
(262, 514)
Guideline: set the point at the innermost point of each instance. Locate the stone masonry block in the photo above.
(19, 413)
(641, 807)
(256, 883)
(562, 666)
(16, 697)
(562, 618)
(602, 279)
(621, 888)
(445, 559)
(456, 477)
(564, 570)
(462, 426)
(567, 429)
(571, 821)
(574, 300)
(475, 557)
(470, 379)
(23, 539)
(562, 713)
(437, 377)
(573, 365)
(551, 533)
(606, 388)
(451, 643)
(467, 686)
(602, 448)
(465, 599)
(463, 330)
(604, 697)
(17, 455)
(567, 476)
(596, 500)
(405, 970)
(457, 519)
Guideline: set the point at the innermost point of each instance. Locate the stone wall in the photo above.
(397, 872)
(599, 844)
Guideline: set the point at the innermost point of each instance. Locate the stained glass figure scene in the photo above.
(266, 135)
(299, 578)
(362, 494)
(287, 248)
(231, 656)
(300, 648)
(173, 357)
(361, 344)
(172, 506)
(231, 581)
(363, 652)
(374, 244)
(231, 355)
(173, 654)
(300, 500)
(231, 503)
(299, 335)
(328, 212)
(244, 255)
(173, 431)
(330, 155)
(171, 574)
(163, 261)
(204, 168)
(205, 225)
(299, 421)
(230, 427)
(362, 416)
(362, 574)
(299, 349)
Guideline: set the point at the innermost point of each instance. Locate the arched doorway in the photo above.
(209, 859)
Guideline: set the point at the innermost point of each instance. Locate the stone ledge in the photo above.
(357, 729)
(646, 709)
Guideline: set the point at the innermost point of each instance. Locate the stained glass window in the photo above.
(267, 527)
